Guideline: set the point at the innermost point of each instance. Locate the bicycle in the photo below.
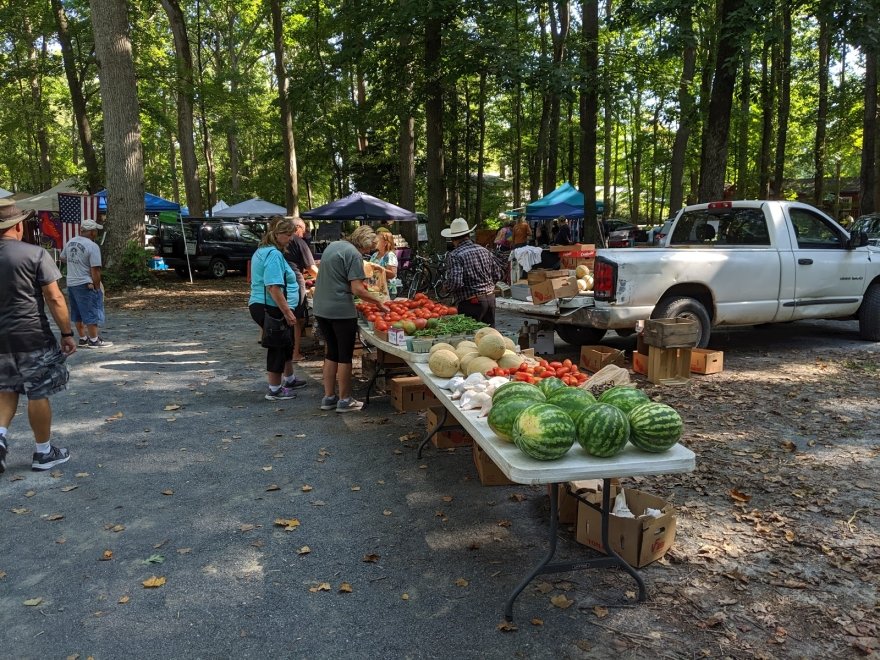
(427, 275)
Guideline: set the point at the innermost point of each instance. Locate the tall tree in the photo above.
(784, 106)
(77, 98)
(559, 26)
(713, 160)
(122, 129)
(589, 114)
(868, 171)
(291, 185)
(824, 48)
(768, 103)
(685, 25)
(185, 92)
(745, 121)
(433, 67)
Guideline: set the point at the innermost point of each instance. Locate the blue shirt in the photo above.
(269, 267)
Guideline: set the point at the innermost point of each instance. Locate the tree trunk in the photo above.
(569, 174)
(207, 145)
(481, 148)
(434, 129)
(685, 106)
(536, 175)
(638, 148)
(767, 105)
(291, 189)
(468, 138)
(713, 160)
(517, 120)
(559, 32)
(784, 107)
(608, 113)
(742, 142)
(77, 99)
(868, 172)
(655, 130)
(453, 162)
(821, 112)
(185, 91)
(122, 130)
(589, 116)
(407, 134)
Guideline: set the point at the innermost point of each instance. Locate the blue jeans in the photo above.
(86, 305)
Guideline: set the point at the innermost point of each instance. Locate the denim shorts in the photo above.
(86, 305)
(34, 373)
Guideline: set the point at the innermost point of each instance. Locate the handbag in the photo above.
(276, 332)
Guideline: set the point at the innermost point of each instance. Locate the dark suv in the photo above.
(214, 246)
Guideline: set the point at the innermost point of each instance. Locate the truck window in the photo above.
(721, 227)
(813, 231)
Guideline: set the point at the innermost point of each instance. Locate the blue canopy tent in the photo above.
(152, 203)
(564, 194)
(561, 209)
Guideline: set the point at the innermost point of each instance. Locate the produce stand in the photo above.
(576, 465)
(383, 349)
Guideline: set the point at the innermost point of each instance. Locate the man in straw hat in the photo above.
(31, 359)
(83, 258)
(471, 274)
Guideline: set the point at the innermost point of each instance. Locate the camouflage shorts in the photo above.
(34, 373)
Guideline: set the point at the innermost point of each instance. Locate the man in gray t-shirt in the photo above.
(83, 258)
(31, 359)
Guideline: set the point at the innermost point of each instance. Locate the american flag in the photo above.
(73, 209)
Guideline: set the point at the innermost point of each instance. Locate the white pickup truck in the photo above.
(726, 264)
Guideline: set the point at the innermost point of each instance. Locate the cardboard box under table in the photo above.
(389, 360)
(409, 393)
(574, 466)
(594, 358)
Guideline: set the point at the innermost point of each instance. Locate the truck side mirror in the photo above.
(859, 239)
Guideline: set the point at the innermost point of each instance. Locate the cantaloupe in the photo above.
(509, 345)
(466, 343)
(589, 280)
(581, 272)
(461, 351)
(582, 285)
(443, 364)
(491, 345)
(465, 359)
(482, 332)
(510, 360)
(442, 346)
(480, 364)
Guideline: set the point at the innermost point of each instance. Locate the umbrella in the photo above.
(359, 206)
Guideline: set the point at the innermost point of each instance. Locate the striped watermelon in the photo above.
(625, 398)
(603, 430)
(544, 431)
(572, 400)
(550, 385)
(504, 413)
(520, 389)
(654, 427)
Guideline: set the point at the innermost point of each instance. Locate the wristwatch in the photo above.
(64, 335)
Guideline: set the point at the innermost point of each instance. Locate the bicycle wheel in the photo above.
(418, 283)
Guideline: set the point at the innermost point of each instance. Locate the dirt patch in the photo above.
(778, 550)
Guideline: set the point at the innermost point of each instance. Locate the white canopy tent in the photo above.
(48, 199)
(4, 193)
(219, 206)
(252, 208)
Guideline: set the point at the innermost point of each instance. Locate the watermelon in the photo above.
(504, 413)
(572, 400)
(544, 431)
(517, 388)
(549, 385)
(654, 427)
(603, 430)
(625, 398)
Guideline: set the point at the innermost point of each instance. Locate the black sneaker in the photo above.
(3, 447)
(83, 342)
(55, 456)
(296, 384)
(100, 342)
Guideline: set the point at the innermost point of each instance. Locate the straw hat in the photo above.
(11, 215)
(459, 227)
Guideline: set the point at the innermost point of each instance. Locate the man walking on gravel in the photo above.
(83, 258)
(31, 360)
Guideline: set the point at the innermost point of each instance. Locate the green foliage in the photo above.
(132, 268)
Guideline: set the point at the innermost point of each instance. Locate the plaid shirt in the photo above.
(472, 271)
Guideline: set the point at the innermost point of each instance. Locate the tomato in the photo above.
(523, 367)
(381, 326)
(543, 362)
(555, 364)
(566, 362)
(522, 377)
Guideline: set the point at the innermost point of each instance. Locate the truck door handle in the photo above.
(805, 262)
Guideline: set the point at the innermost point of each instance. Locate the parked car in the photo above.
(661, 234)
(620, 233)
(870, 224)
(213, 246)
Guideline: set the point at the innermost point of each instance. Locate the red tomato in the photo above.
(566, 362)
(522, 376)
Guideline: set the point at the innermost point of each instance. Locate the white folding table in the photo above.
(574, 466)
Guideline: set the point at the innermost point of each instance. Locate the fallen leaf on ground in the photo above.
(289, 524)
(386, 512)
(81, 475)
(461, 582)
(32, 602)
(153, 582)
(115, 528)
(246, 527)
(67, 489)
(184, 551)
(537, 622)
(306, 488)
(517, 497)
(30, 493)
(171, 406)
(447, 498)
(55, 516)
(154, 559)
(113, 418)
(345, 588)
(20, 511)
(355, 488)
(738, 496)
(562, 602)
(404, 597)
(267, 468)
(371, 558)
(304, 550)
(107, 555)
(168, 491)
(123, 600)
(600, 612)
(324, 586)
(503, 523)
(507, 626)
(272, 487)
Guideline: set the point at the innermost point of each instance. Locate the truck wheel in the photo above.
(182, 273)
(579, 335)
(686, 308)
(218, 268)
(869, 314)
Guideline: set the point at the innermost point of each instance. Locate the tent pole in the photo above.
(185, 248)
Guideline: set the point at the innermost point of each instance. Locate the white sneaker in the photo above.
(349, 405)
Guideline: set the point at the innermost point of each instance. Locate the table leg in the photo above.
(544, 566)
(380, 368)
(432, 431)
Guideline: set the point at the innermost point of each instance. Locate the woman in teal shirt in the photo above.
(274, 291)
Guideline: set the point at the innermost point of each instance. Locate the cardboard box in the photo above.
(432, 416)
(640, 363)
(545, 344)
(536, 276)
(451, 439)
(706, 361)
(639, 541)
(397, 337)
(520, 292)
(551, 289)
(409, 393)
(567, 505)
(594, 358)
(586, 250)
(489, 473)
(671, 333)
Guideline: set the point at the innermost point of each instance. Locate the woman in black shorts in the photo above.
(340, 279)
